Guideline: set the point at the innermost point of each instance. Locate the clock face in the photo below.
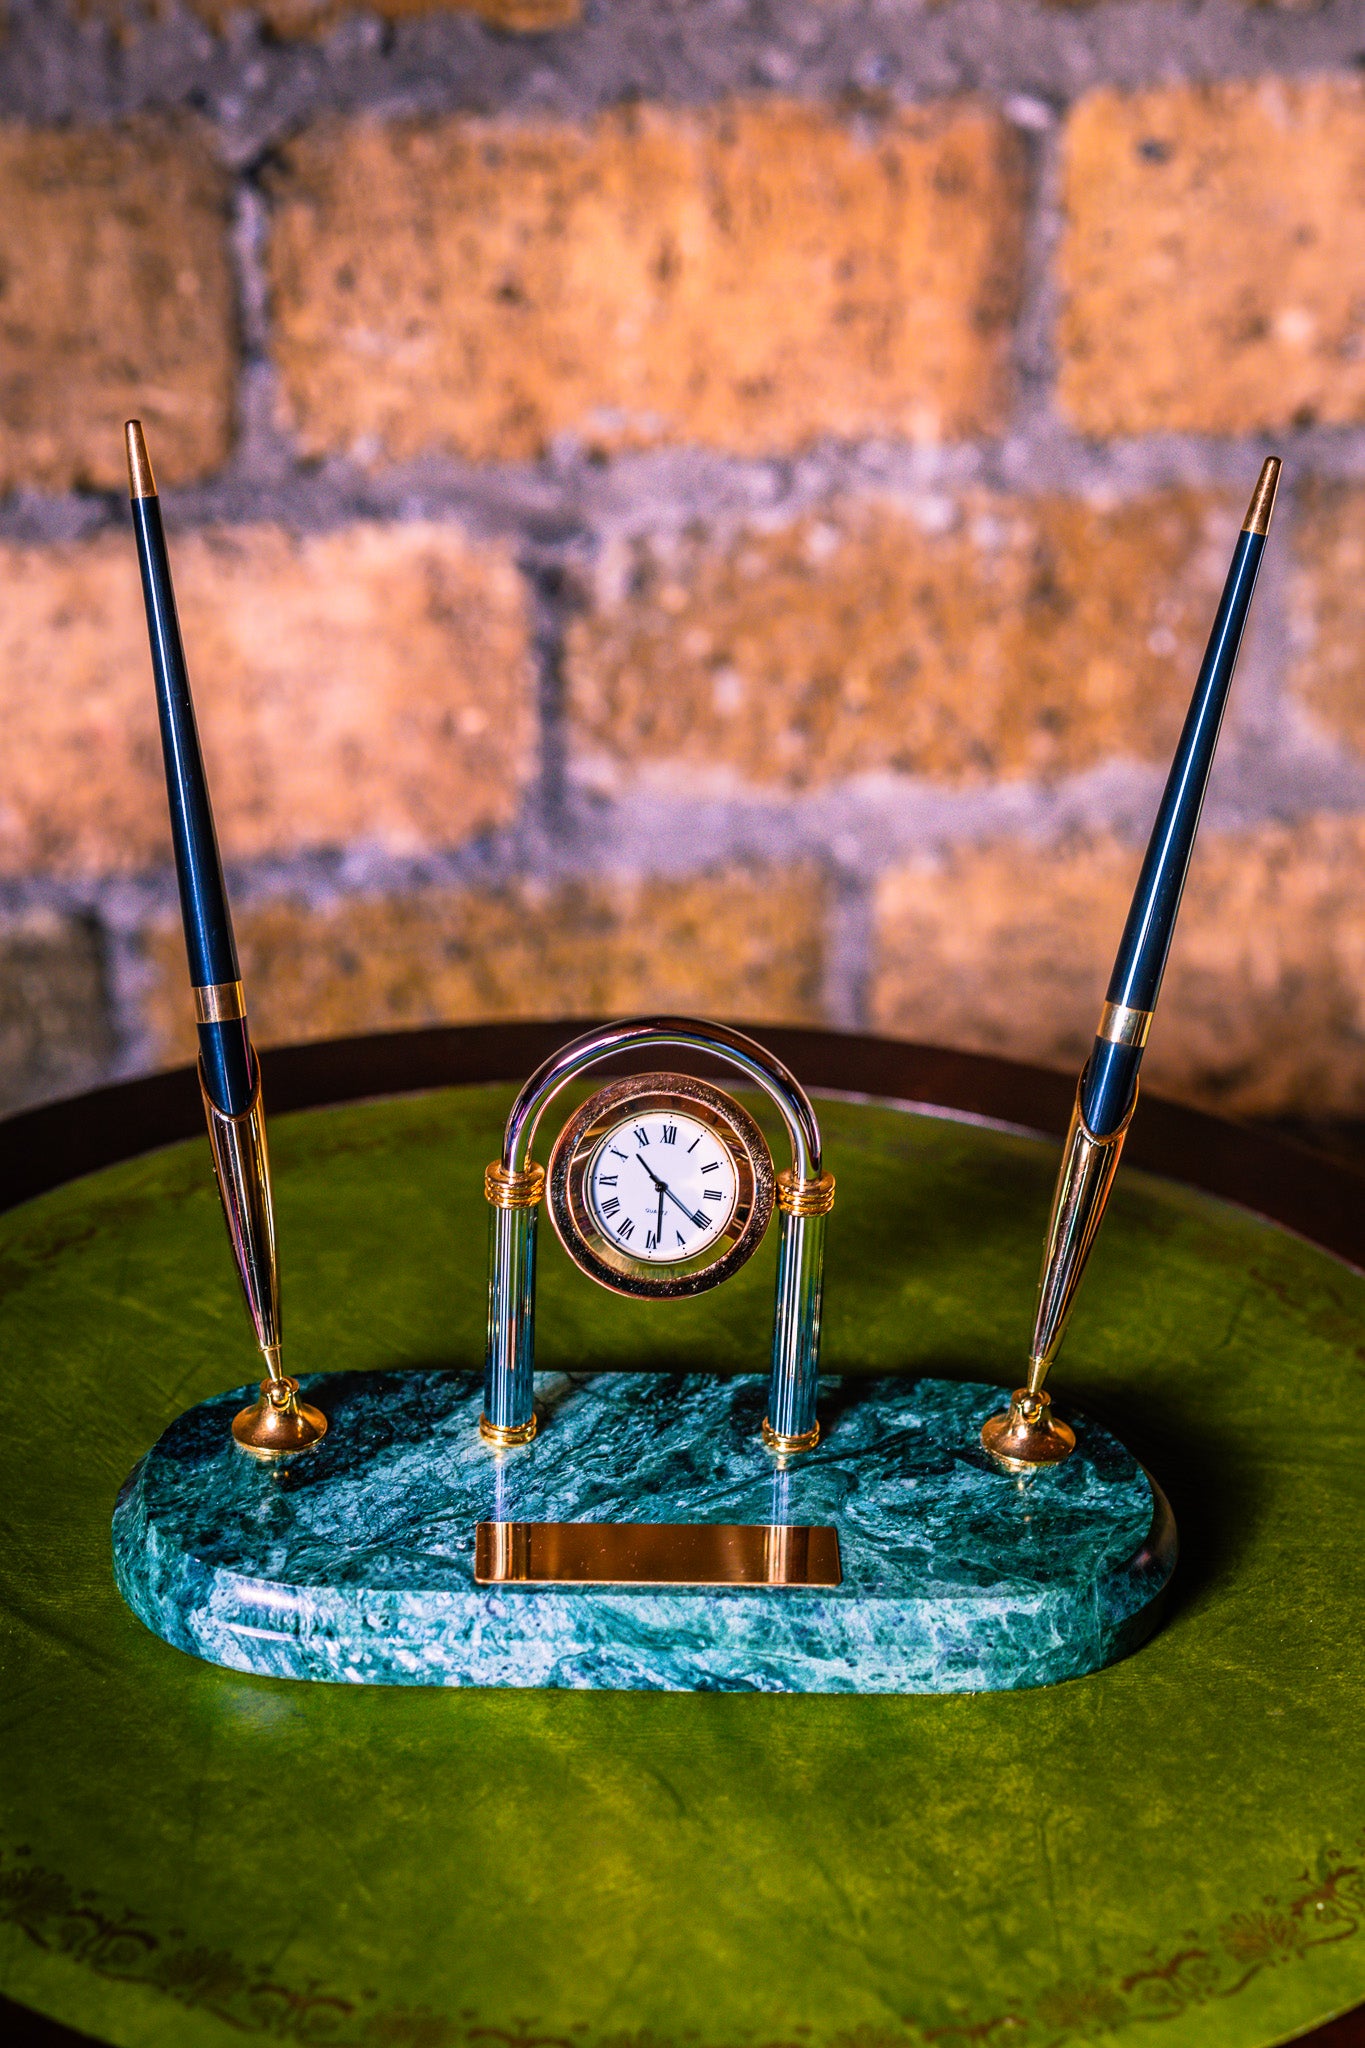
(662, 1186)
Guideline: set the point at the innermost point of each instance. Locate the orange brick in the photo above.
(315, 17)
(1006, 948)
(751, 278)
(988, 637)
(1213, 267)
(371, 684)
(117, 298)
(1328, 575)
(743, 943)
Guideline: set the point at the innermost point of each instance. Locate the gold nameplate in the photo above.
(655, 1554)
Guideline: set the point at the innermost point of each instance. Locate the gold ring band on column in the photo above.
(789, 1445)
(805, 1197)
(508, 1438)
(514, 1190)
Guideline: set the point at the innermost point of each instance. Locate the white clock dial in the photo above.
(662, 1187)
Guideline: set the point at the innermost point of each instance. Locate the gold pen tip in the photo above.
(141, 482)
(1263, 497)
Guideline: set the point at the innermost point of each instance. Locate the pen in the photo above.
(1028, 1434)
(229, 1074)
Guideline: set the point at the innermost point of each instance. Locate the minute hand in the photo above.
(692, 1215)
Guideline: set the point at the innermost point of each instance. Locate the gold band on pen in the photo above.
(805, 1197)
(513, 1190)
(219, 1002)
(1120, 1024)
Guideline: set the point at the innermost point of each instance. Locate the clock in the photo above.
(660, 1186)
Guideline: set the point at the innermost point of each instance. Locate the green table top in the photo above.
(1173, 1849)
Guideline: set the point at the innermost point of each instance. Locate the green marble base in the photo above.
(354, 1561)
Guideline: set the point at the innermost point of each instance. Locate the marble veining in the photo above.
(353, 1562)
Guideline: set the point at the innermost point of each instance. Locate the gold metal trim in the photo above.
(1028, 1434)
(804, 1197)
(656, 1554)
(650, 1095)
(141, 482)
(219, 1002)
(1262, 504)
(788, 1446)
(1084, 1178)
(241, 1164)
(507, 1439)
(506, 1190)
(1120, 1024)
(278, 1423)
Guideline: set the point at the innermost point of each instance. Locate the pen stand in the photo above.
(647, 1530)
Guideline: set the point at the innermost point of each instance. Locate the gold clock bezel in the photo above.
(583, 1238)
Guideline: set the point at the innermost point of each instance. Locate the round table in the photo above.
(1171, 1849)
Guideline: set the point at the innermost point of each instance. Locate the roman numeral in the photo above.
(626, 1228)
(702, 1222)
(610, 1208)
(693, 1146)
(641, 1135)
(617, 1155)
(650, 1240)
(713, 1195)
(607, 1180)
(681, 1239)
(670, 1134)
(714, 1167)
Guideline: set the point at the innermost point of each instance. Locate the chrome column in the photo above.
(514, 1211)
(803, 1205)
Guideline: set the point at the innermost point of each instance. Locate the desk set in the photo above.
(647, 1529)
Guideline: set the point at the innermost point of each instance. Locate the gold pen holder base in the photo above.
(1028, 1434)
(279, 1422)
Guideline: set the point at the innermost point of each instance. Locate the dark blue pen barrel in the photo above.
(209, 943)
(1109, 1087)
(1136, 981)
(1141, 962)
(229, 1070)
(203, 894)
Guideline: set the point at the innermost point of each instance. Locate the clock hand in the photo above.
(693, 1216)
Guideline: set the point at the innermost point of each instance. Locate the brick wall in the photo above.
(711, 503)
